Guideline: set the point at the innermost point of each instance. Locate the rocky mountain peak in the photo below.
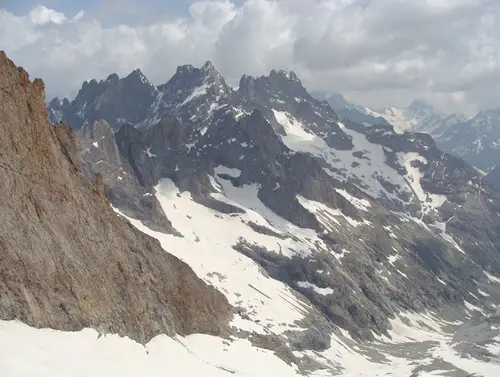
(137, 78)
(208, 66)
(285, 78)
(60, 102)
(193, 75)
(183, 69)
(336, 100)
(486, 117)
(116, 100)
(421, 112)
(90, 89)
(284, 74)
(192, 94)
(278, 87)
(246, 87)
(112, 78)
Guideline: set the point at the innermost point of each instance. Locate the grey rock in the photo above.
(115, 100)
(99, 155)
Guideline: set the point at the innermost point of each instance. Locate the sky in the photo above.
(378, 53)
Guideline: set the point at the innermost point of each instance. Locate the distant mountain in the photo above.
(476, 140)
(349, 111)
(418, 117)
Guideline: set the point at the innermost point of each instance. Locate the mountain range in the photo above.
(336, 245)
(476, 139)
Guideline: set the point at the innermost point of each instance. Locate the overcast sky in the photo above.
(376, 52)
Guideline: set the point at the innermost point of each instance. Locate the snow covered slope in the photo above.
(420, 346)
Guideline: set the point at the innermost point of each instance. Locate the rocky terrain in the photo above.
(342, 245)
(355, 221)
(67, 261)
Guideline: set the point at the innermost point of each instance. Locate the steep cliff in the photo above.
(67, 261)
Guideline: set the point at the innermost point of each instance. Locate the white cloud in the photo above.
(41, 15)
(377, 52)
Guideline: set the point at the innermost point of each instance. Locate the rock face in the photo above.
(67, 260)
(115, 100)
(99, 155)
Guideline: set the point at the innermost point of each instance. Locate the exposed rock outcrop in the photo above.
(99, 155)
(67, 261)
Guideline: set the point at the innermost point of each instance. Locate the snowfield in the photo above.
(207, 246)
(28, 352)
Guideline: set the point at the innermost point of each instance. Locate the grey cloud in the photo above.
(377, 52)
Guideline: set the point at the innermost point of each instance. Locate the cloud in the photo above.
(41, 15)
(377, 52)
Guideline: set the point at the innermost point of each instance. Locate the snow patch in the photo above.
(315, 288)
(428, 201)
(361, 204)
(148, 152)
(197, 92)
(232, 172)
(474, 308)
(492, 278)
(328, 216)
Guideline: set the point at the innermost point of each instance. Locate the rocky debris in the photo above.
(67, 260)
(356, 295)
